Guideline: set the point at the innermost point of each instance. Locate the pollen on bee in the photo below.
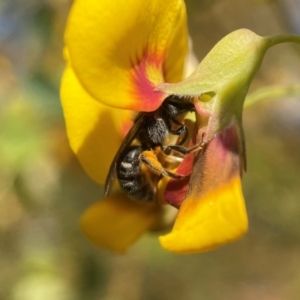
(150, 160)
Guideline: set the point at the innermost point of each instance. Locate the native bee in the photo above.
(138, 168)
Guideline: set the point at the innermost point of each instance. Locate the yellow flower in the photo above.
(118, 53)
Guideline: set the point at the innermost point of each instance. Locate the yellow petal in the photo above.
(116, 222)
(121, 49)
(214, 212)
(94, 129)
(204, 224)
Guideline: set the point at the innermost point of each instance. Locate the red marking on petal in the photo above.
(148, 99)
(229, 139)
(233, 140)
(216, 164)
(177, 189)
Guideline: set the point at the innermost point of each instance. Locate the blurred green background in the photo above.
(43, 190)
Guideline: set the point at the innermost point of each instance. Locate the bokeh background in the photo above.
(43, 189)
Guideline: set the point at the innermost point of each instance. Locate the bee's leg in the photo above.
(149, 159)
(182, 132)
(183, 150)
(175, 176)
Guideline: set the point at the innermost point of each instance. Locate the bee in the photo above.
(137, 167)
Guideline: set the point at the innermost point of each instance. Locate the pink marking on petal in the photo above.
(177, 189)
(148, 98)
(216, 164)
(229, 139)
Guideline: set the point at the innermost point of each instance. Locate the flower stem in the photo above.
(275, 91)
(280, 39)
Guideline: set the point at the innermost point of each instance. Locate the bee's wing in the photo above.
(131, 135)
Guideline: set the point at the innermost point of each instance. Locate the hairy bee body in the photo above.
(131, 178)
(156, 126)
(151, 130)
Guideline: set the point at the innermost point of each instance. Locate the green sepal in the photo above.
(224, 75)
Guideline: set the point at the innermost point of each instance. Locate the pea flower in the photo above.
(128, 56)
